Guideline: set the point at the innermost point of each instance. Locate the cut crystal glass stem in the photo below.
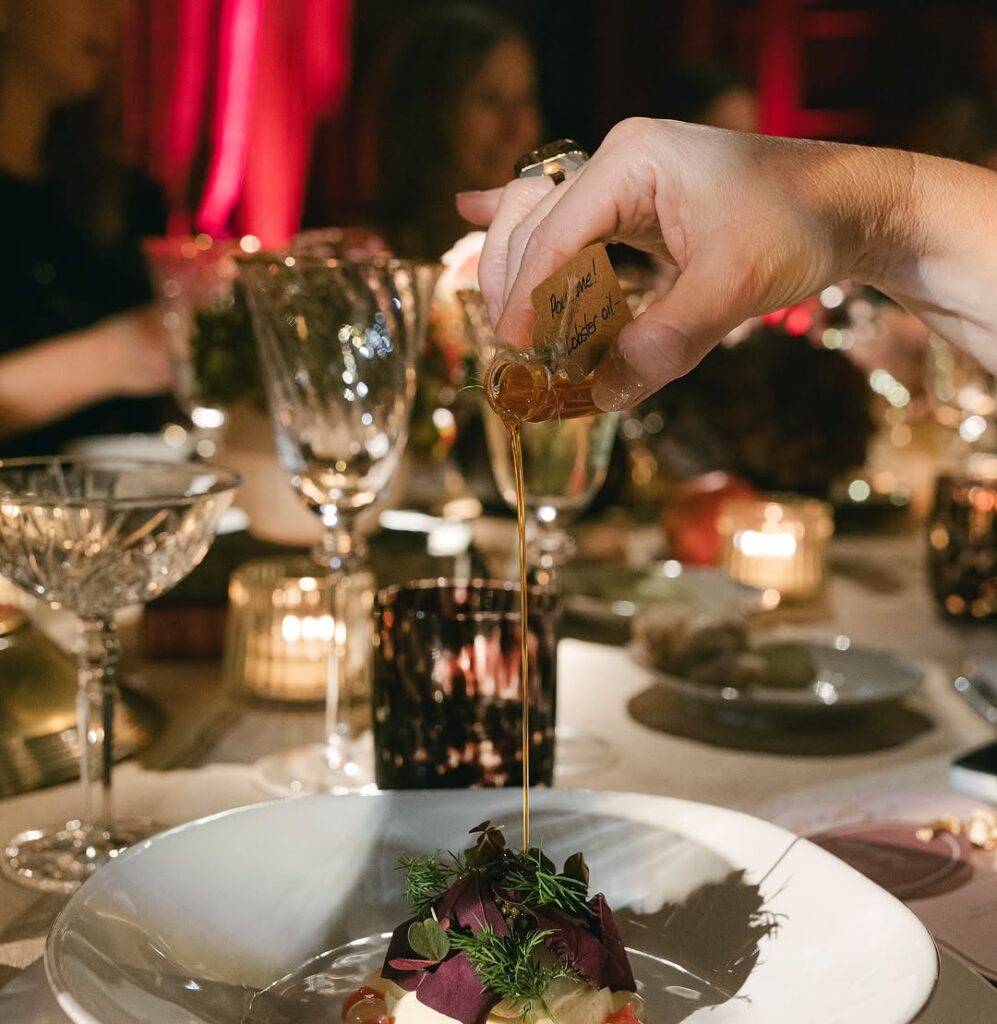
(341, 549)
(95, 703)
(551, 546)
(342, 552)
(336, 729)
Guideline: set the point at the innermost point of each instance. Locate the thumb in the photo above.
(666, 341)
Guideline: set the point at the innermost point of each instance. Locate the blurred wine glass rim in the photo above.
(541, 596)
(198, 479)
(291, 259)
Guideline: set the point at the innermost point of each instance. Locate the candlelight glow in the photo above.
(765, 543)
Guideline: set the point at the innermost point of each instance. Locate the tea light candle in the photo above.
(778, 545)
(281, 629)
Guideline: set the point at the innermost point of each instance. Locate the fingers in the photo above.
(667, 340)
(520, 235)
(578, 212)
(515, 202)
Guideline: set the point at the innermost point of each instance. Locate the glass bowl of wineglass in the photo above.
(92, 536)
(338, 342)
(565, 459)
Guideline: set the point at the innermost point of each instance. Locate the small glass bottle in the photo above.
(544, 382)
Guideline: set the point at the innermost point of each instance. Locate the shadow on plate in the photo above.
(858, 732)
(694, 935)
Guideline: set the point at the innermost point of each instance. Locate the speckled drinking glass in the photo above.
(962, 540)
(447, 691)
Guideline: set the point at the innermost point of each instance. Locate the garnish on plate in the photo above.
(980, 828)
(499, 935)
(717, 649)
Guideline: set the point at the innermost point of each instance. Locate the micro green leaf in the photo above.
(429, 940)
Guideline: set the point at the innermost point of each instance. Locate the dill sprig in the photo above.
(533, 878)
(517, 882)
(506, 965)
(427, 880)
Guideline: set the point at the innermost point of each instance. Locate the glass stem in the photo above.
(342, 553)
(95, 703)
(549, 551)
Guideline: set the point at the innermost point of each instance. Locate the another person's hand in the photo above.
(753, 224)
(137, 348)
(123, 355)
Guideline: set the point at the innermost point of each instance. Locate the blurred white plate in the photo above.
(760, 927)
(148, 447)
(128, 446)
(235, 520)
(848, 678)
(607, 592)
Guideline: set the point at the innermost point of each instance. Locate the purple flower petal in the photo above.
(619, 975)
(573, 944)
(469, 907)
(593, 949)
(454, 989)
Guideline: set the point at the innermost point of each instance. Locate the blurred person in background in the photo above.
(455, 107)
(79, 345)
(707, 94)
(452, 107)
(697, 93)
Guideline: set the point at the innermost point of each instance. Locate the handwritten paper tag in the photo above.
(579, 310)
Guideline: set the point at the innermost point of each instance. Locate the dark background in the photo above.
(862, 72)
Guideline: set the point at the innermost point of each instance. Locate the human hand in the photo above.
(136, 347)
(752, 223)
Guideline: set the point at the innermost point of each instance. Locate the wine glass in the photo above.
(338, 342)
(207, 324)
(92, 536)
(564, 461)
(564, 464)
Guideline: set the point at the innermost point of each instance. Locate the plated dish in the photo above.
(811, 677)
(277, 913)
(498, 934)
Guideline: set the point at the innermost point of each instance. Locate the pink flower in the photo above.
(460, 265)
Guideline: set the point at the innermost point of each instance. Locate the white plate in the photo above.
(185, 928)
(848, 678)
(614, 593)
(128, 446)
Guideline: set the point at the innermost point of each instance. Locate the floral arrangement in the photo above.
(442, 401)
(223, 353)
(775, 407)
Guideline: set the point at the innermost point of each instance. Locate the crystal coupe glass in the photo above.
(338, 342)
(92, 536)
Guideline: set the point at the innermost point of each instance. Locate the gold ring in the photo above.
(553, 159)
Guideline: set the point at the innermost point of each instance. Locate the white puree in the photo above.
(568, 1001)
